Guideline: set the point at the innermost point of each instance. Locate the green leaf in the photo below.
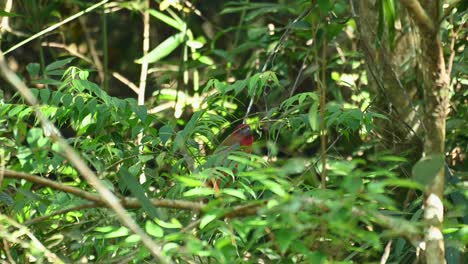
(427, 168)
(44, 94)
(325, 6)
(313, 116)
(120, 232)
(190, 182)
(194, 44)
(236, 193)
(173, 224)
(165, 133)
(67, 99)
(34, 134)
(47, 81)
(285, 237)
(202, 191)
(206, 219)
(154, 229)
(79, 103)
(140, 111)
(137, 190)
(57, 64)
(33, 69)
(390, 13)
(206, 60)
(4, 13)
(163, 49)
(166, 19)
(405, 183)
(274, 187)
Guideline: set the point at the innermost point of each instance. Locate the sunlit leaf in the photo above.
(163, 49)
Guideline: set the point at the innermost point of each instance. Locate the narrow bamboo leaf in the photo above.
(4, 13)
(313, 116)
(58, 64)
(163, 49)
(236, 193)
(166, 19)
(137, 190)
(389, 8)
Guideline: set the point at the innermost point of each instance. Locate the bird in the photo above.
(240, 139)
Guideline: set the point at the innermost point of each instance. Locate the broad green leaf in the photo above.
(34, 134)
(274, 187)
(163, 49)
(120, 232)
(173, 224)
(206, 219)
(325, 6)
(427, 168)
(44, 94)
(33, 69)
(285, 237)
(165, 133)
(206, 60)
(67, 99)
(140, 111)
(153, 229)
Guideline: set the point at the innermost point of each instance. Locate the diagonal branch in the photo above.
(419, 15)
(53, 133)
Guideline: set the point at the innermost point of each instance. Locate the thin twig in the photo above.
(323, 101)
(386, 253)
(92, 49)
(6, 249)
(299, 75)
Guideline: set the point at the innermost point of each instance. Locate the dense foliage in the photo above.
(212, 66)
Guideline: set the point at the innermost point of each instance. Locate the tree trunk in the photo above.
(413, 71)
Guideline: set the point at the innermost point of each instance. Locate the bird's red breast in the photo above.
(240, 137)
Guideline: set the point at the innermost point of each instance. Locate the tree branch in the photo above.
(419, 15)
(127, 202)
(53, 133)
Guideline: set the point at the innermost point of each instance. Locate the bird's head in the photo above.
(244, 135)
